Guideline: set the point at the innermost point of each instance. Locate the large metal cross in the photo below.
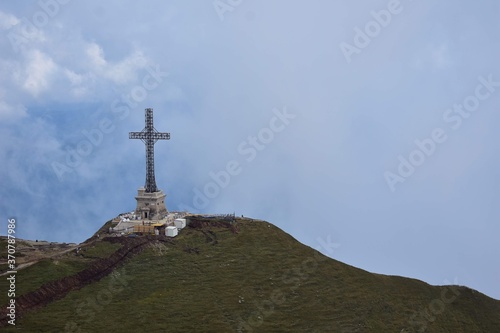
(149, 135)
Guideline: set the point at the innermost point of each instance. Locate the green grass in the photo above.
(46, 270)
(261, 279)
(33, 277)
(100, 249)
(4, 248)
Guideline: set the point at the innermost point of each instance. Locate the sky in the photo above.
(366, 130)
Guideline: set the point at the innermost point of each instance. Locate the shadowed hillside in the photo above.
(247, 276)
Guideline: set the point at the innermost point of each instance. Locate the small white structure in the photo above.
(171, 231)
(180, 223)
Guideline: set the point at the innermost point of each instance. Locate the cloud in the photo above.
(125, 71)
(95, 55)
(38, 74)
(121, 72)
(7, 21)
(11, 112)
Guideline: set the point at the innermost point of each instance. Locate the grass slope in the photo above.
(49, 269)
(258, 280)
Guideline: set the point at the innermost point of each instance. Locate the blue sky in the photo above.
(370, 125)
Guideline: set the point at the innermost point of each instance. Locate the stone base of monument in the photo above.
(150, 206)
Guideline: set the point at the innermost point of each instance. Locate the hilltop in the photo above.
(216, 276)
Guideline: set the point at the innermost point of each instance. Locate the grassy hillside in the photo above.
(258, 279)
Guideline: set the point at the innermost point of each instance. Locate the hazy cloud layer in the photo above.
(310, 104)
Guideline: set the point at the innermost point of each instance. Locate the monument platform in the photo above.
(150, 206)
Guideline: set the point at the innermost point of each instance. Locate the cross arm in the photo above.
(148, 135)
(161, 136)
(136, 135)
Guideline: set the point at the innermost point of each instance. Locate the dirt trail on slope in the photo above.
(29, 262)
(29, 252)
(58, 289)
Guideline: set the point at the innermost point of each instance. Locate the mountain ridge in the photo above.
(247, 276)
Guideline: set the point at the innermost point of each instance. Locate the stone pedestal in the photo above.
(150, 206)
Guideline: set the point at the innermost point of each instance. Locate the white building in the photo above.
(180, 223)
(171, 231)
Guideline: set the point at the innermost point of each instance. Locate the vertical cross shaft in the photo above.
(149, 135)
